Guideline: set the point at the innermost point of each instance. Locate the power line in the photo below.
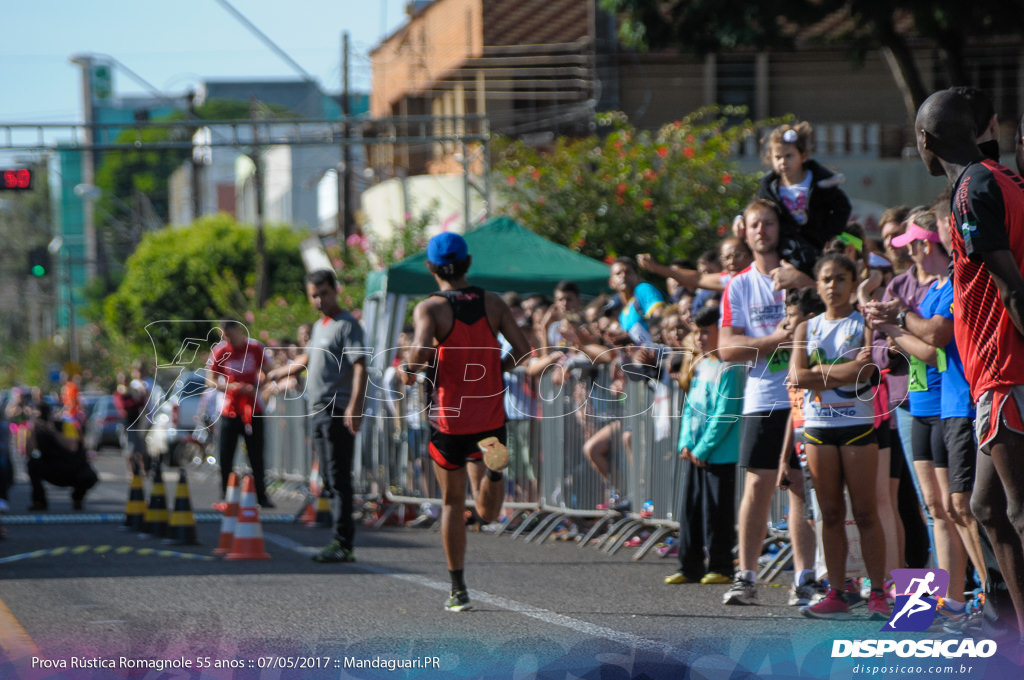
(265, 39)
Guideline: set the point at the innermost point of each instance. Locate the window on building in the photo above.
(736, 82)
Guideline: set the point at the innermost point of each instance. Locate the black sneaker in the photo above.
(458, 601)
(334, 553)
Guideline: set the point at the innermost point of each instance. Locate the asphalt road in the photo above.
(549, 611)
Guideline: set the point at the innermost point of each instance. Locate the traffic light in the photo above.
(15, 179)
(39, 261)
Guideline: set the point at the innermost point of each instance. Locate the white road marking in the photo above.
(545, 615)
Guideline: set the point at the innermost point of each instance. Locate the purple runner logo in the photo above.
(917, 593)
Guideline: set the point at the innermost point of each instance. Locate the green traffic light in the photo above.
(38, 270)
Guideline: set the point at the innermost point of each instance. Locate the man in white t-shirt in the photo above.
(752, 332)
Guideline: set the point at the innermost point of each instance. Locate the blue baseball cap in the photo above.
(447, 247)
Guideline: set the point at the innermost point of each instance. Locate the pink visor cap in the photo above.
(915, 232)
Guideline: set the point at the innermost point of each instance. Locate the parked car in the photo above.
(105, 426)
(174, 421)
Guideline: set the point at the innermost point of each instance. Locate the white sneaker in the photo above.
(743, 591)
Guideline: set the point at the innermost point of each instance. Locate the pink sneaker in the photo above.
(878, 605)
(832, 607)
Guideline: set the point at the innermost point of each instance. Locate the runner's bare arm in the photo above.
(420, 354)
(1006, 275)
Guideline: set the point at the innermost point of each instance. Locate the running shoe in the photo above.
(947, 614)
(967, 626)
(854, 598)
(458, 601)
(714, 578)
(820, 590)
(832, 607)
(676, 578)
(334, 553)
(878, 606)
(800, 596)
(743, 591)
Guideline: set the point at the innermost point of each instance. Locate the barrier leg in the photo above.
(527, 521)
(390, 510)
(652, 541)
(505, 525)
(594, 530)
(777, 564)
(549, 521)
(627, 533)
(543, 536)
(614, 531)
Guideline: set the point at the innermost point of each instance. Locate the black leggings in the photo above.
(230, 429)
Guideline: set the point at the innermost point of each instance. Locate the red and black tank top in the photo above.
(468, 389)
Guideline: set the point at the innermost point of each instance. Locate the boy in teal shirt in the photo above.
(709, 439)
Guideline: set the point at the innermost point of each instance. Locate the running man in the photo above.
(916, 602)
(455, 341)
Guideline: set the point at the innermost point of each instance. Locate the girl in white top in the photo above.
(832, 363)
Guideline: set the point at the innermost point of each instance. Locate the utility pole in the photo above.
(262, 287)
(345, 176)
(194, 163)
(85, 64)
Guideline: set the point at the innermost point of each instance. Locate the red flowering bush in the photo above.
(631, 191)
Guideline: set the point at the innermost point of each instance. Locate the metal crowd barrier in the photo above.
(599, 448)
(582, 428)
(289, 455)
(655, 479)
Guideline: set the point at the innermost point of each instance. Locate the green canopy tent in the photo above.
(506, 256)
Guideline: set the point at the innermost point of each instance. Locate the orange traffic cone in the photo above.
(181, 528)
(135, 508)
(228, 522)
(248, 544)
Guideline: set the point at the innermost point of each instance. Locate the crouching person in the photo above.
(56, 459)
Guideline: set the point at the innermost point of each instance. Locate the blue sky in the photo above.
(174, 45)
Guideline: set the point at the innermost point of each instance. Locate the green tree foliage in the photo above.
(206, 272)
(671, 193)
(705, 26)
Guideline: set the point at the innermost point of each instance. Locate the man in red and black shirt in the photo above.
(235, 367)
(455, 341)
(988, 260)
